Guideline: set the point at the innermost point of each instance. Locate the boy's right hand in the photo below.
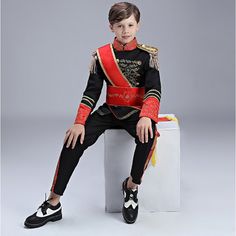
(73, 133)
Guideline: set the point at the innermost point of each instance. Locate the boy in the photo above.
(131, 73)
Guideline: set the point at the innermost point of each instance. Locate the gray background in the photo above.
(46, 52)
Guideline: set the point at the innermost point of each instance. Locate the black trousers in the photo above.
(94, 127)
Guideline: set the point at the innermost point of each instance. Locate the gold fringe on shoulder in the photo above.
(153, 62)
(153, 52)
(93, 67)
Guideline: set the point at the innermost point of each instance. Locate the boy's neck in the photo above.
(125, 47)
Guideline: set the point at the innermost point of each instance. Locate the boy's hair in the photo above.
(123, 10)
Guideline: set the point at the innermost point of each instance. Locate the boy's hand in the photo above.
(73, 134)
(143, 126)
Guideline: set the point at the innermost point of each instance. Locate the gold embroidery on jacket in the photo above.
(130, 70)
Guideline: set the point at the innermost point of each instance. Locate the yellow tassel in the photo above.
(154, 155)
(172, 118)
(153, 158)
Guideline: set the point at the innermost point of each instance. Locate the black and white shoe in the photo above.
(130, 204)
(45, 212)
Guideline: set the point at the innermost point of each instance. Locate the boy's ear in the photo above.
(111, 28)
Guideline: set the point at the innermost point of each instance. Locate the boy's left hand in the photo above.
(143, 126)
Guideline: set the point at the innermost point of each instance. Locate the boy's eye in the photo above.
(130, 25)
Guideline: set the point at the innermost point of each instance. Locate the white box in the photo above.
(160, 187)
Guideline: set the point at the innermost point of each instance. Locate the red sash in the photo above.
(110, 67)
(121, 93)
(124, 96)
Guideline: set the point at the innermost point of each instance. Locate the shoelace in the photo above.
(44, 206)
(132, 196)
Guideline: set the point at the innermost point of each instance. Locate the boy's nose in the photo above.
(125, 30)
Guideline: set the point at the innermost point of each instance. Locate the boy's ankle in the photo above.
(53, 201)
(131, 185)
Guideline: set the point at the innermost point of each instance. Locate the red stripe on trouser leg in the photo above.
(151, 152)
(55, 175)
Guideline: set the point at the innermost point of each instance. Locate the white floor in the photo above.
(30, 150)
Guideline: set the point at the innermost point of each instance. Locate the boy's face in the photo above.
(125, 30)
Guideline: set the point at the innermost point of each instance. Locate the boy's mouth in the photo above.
(126, 37)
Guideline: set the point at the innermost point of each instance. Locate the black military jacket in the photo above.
(140, 67)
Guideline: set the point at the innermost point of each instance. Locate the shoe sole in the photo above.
(53, 218)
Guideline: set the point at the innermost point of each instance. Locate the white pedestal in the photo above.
(160, 187)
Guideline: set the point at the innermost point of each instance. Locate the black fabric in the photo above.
(94, 127)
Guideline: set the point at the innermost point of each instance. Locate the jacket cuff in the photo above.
(150, 108)
(82, 114)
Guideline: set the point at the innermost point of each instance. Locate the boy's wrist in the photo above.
(78, 124)
(145, 117)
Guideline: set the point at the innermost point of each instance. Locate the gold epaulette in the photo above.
(154, 63)
(147, 48)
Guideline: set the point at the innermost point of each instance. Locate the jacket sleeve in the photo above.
(152, 97)
(91, 93)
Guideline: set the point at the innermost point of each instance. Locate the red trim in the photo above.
(124, 96)
(163, 119)
(55, 175)
(151, 150)
(150, 108)
(82, 114)
(150, 153)
(127, 47)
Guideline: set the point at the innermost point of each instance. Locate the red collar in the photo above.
(127, 47)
